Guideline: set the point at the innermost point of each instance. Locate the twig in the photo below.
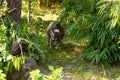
(12, 10)
(19, 46)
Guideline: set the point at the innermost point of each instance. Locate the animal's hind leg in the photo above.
(47, 40)
(50, 44)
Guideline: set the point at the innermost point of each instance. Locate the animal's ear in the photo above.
(15, 38)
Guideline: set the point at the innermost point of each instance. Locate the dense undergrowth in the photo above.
(30, 42)
(8, 63)
(95, 25)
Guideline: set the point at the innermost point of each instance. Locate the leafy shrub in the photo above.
(105, 33)
(56, 74)
(97, 23)
(6, 61)
(33, 47)
(2, 75)
(9, 63)
(75, 16)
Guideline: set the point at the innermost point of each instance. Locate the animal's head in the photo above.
(15, 48)
(55, 34)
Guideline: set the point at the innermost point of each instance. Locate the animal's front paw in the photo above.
(58, 48)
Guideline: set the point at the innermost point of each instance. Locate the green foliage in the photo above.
(17, 61)
(8, 63)
(13, 64)
(35, 75)
(118, 78)
(2, 75)
(75, 17)
(104, 33)
(3, 9)
(97, 23)
(56, 74)
(33, 47)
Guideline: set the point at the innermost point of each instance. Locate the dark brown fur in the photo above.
(55, 32)
(17, 48)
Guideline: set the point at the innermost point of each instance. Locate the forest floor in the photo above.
(68, 57)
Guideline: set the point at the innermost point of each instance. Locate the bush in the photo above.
(105, 33)
(75, 16)
(56, 74)
(8, 32)
(2, 75)
(98, 24)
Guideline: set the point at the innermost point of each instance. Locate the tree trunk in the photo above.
(15, 10)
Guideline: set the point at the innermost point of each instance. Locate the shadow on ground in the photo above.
(68, 57)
